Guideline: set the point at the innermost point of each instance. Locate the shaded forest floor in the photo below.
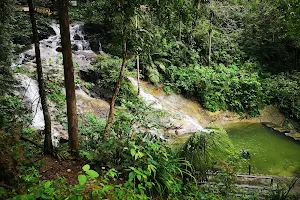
(52, 168)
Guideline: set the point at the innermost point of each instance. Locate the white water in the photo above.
(30, 91)
(186, 122)
(52, 63)
(48, 47)
(82, 55)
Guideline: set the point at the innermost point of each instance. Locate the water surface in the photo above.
(271, 152)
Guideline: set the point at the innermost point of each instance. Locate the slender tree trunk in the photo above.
(137, 60)
(210, 36)
(209, 47)
(180, 30)
(69, 76)
(48, 148)
(138, 72)
(110, 118)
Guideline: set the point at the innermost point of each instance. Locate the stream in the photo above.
(271, 152)
(52, 64)
(83, 55)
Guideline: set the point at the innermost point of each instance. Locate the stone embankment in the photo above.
(286, 131)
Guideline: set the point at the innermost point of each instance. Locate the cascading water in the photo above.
(50, 52)
(29, 89)
(82, 55)
(51, 48)
(187, 123)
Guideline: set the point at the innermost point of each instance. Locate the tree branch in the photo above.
(32, 142)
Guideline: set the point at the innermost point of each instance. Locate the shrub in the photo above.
(221, 87)
(285, 90)
(207, 151)
(104, 74)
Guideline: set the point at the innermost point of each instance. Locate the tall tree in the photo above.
(118, 16)
(69, 75)
(137, 60)
(48, 147)
(210, 33)
(6, 10)
(117, 89)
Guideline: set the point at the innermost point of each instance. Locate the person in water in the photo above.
(245, 154)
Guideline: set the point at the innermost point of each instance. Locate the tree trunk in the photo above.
(180, 30)
(110, 118)
(138, 72)
(69, 76)
(48, 147)
(209, 46)
(210, 36)
(137, 60)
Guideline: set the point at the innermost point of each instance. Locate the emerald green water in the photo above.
(271, 152)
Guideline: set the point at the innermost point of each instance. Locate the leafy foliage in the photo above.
(221, 87)
(285, 91)
(207, 151)
(104, 75)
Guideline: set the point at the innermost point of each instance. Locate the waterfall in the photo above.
(52, 63)
(172, 105)
(83, 55)
(30, 91)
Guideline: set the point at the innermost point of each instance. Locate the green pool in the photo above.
(271, 152)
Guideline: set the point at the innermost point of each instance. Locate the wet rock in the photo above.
(28, 58)
(94, 33)
(280, 129)
(94, 43)
(88, 75)
(87, 104)
(59, 49)
(77, 37)
(74, 47)
(63, 141)
(182, 122)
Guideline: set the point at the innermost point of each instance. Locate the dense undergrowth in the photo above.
(254, 63)
(129, 165)
(133, 163)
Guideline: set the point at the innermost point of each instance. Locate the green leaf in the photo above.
(47, 184)
(86, 167)
(132, 152)
(108, 187)
(138, 155)
(160, 65)
(92, 173)
(82, 179)
(132, 175)
(152, 168)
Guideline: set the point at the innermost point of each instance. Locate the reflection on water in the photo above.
(271, 152)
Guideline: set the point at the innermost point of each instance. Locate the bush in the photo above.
(104, 74)
(285, 91)
(221, 87)
(207, 151)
